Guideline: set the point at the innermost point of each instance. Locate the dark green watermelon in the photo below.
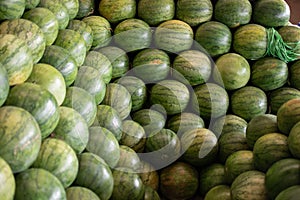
(8, 184)
(86, 8)
(80, 193)
(218, 192)
(293, 141)
(11, 9)
(287, 115)
(149, 175)
(289, 193)
(4, 85)
(294, 74)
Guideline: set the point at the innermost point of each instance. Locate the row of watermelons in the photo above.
(149, 99)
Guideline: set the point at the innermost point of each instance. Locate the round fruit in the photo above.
(7, 181)
(4, 85)
(80, 193)
(7, 13)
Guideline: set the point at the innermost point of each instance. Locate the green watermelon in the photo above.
(291, 35)
(101, 180)
(13, 49)
(294, 74)
(291, 193)
(46, 20)
(11, 9)
(218, 192)
(39, 102)
(31, 4)
(4, 85)
(20, 138)
(80, 193)
(8, 184)
(57, 157)
(129, 159)
(86, 8)
(287, 115)
(38, 183)
(72, 7)
(151, 194)
(149, 175)
(293, 140)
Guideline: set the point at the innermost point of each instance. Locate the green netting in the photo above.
(276, 47)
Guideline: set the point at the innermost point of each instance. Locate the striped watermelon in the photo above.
(129, 159)
(293, 141)
(149, 175)
(4, 85)
(287, 115)
(31, 4)
(294, 74)
(57, 157)
(79, 193)
(11, 9)
(20, 138)
(218, 192)
(151, 194)
(8, 184)
(38, 183)
(292, 192)
(71, 5)
(86, 8)
(291, 35)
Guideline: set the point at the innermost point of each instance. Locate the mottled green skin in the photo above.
(173, 36)
(118, 59)
(86, 8)
(39, 102)
(57, 157)
(20, 137)
(80, 193)
(149, 175)
(247, 182)
(28, 31)
(133, 35)
(195, 67)
(233, 13)
(232, 70)
(281, 175)
(74, 43)
(218, 192)
(37, 183)
(85, 31)
(250, 41)
(154, 12)
(100, 62)
(72, 128)
(288, 115)
(271, 13)
(254, 130)
(199, 146)
(109, 150)
(72, 7)
(101, 30)
(4, 85)
(151, 65)
(127, 185)
(291, 192)
(268, 149)
(101, 180)
(109, 118)
(293, 141)
(90, 79)
(12, 49)
(7, 181)
(291, 35)
(174, 186)
(49, 78)
(30, 4)
(206, 182)
(129, 159)
(46, 20)
(281, 95)
(295, 74)
(248, 102)
(237, 163)
(11, 9)
(269, 73)
(151, 194)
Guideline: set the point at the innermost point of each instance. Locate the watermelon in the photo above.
(46, 20)
(245, 184)
(108, 117)
(289, 193)
(72, 7)
(74, 43)
(100, 62)
(174, 186)
(215, 37)
(151, 194)
(28, 31)
(83, 102)
(173, 36)
(6, 11)
(133, 135)
(20, 138)
(4, 85)
(72, 128)
(195, 67)
(38, 183)
(80, 193)
(237, 163)
(101, 30)
(101, 181)
(39, 102)
(233, 13)
(250, 41)
(127, 185)
(151, 65)
(49, 78)
(57, 157)
(30, 4)
(86, 8)
(199, 147)
(149, 175)
(62, 60)
(85, 31)
(154, 12)
(109, 150)
(90, 79)
(291, 35)
(268, 149)
(129, 159)
(254, 130)
(8, 184)
(132, 35)
(218, 192)
(194, 12)
(271, 13)
(294, 75)
(206, 182)
(248, 102)
(232, 70)
(293, 141)
(13, 49)
(281, 175)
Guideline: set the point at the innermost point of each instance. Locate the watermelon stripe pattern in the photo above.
(11, 9)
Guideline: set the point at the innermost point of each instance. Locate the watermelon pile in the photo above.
(149, 99)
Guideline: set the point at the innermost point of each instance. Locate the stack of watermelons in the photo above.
(149, 99)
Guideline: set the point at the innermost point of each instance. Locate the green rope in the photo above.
(276, 47)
